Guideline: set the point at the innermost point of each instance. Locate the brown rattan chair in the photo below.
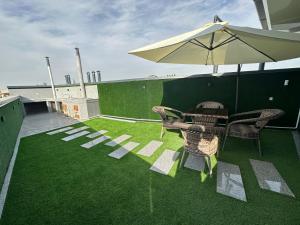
(248, 125)
(169, 117)
(201, 141)
(207, 120)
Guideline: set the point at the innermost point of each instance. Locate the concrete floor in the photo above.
(38, 123)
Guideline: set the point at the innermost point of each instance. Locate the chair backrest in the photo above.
(266, 115)
(161, 111)
(166, 112)
(210, 105)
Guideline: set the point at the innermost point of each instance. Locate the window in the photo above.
(2, 118)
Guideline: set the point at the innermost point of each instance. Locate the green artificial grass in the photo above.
(57, 182)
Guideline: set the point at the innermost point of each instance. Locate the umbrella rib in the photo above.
(227, 41)
(171, 52)
(199, 44)
(251, 46)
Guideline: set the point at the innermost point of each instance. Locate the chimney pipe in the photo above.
(52, 83)
(68, 79)
(99, 75)
(80, 75)
(94, 76)
(88, 75)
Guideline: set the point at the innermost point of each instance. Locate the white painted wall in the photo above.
(43, 94)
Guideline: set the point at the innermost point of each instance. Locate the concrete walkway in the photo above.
(43, 122)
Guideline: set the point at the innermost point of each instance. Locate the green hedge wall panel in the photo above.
(12, 113)
(136, 98)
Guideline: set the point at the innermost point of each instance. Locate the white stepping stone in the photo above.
(195, 162)
(95, 142)
(165, 162)
(96, 134)
(77, 135)
(150, 148)
(118, 140)
(77, 130)
(269, 178)
(122, 151)
(59, 130)
(229, 181)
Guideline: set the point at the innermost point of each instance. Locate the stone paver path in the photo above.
(150, 148)
(124, 150)
(77, 135)
(95, 142)
(118, 140)
(77, 130)
(269, 178)
(165, 162)
(229, 181)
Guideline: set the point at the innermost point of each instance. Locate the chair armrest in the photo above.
(245, 113)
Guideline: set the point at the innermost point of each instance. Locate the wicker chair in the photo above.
(248, 125)
(169, 118)
(207, 120)
(201, 141)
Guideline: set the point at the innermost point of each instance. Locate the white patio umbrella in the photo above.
(219, 43)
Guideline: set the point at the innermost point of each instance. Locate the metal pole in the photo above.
(80, 74)
(237, 88)
(52, 84)
(216, 19)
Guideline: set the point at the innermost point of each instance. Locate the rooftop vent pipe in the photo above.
(80, 75)
(94, 76)
(88, 75)
(99, 75)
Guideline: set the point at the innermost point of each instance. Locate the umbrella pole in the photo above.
(237, 88)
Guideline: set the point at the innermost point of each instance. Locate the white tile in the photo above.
(77, 130)
(195, 162)
(122, 151)
(74, 136)
(95, 142)
(96, 134)
(59, 130)
(150, 148)
(229, 181)
(165, 162)
(269, 178)
(118, 140)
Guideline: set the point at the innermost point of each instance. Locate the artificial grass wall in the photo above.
(136, 98)
(11, 117)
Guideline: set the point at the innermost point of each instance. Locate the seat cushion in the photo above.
(202, 146)
(243, 131)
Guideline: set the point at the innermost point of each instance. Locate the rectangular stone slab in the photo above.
(95, 142)
(165, 162)
(77, 135)
(77, 130)
(269, 178)
(118, 140)
(229, 181)
(96, 134)
(150, 148)
(59, 130)
(122, 151)
(195, 162)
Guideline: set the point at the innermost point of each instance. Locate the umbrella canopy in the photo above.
(220, 43)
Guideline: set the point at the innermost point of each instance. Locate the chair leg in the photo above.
(208, 161)
(258, 145)
(162, 132)
(182, 158)
(224, 142)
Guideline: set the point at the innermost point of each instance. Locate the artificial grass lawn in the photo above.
(57, 182)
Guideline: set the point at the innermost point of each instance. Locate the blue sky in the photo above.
(105, 30)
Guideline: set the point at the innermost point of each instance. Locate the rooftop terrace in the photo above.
(61, 182)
